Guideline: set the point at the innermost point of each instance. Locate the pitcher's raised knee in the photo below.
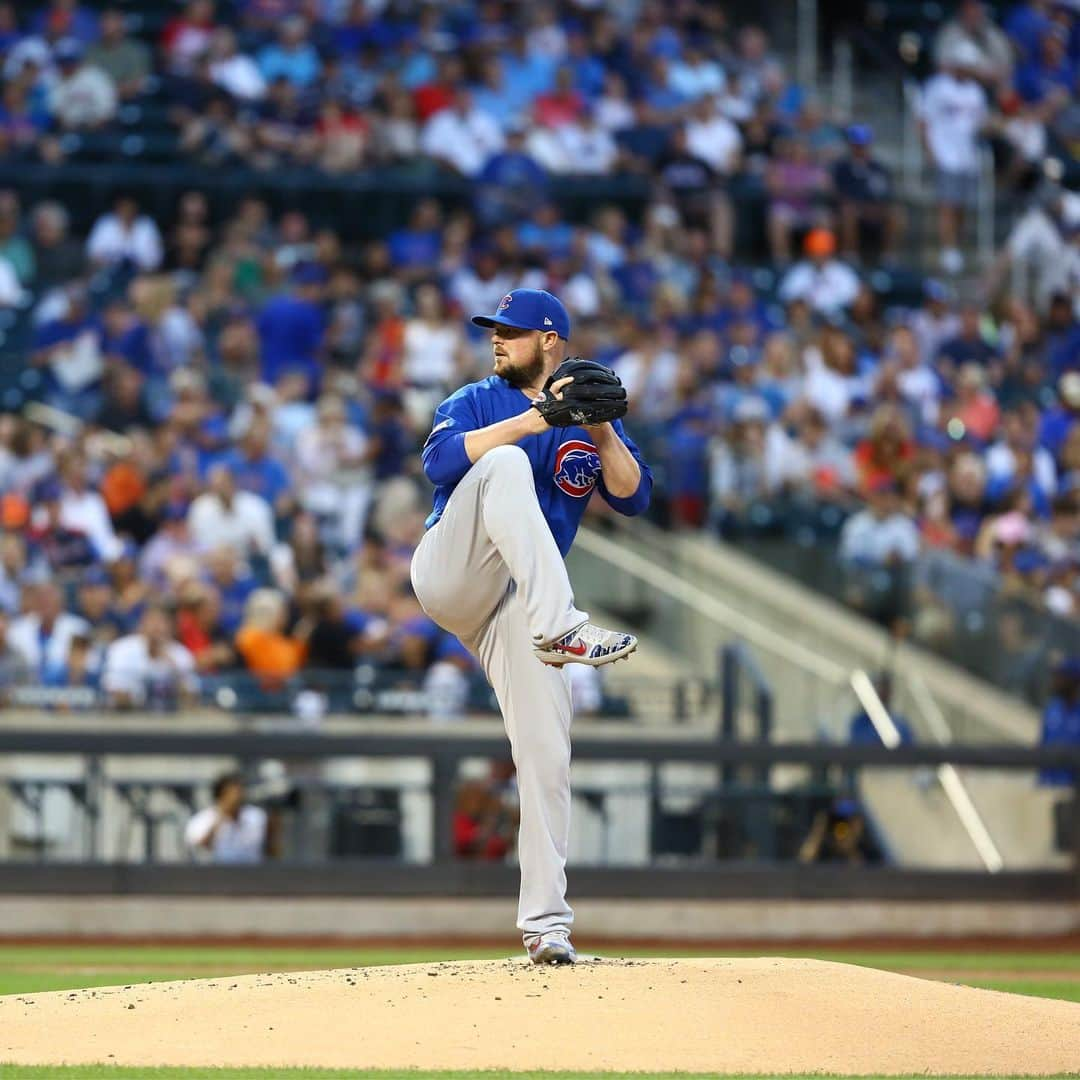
(506, 462)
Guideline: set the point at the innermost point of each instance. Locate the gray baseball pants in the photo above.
(490, 572)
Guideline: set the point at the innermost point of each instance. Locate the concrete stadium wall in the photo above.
(458, 919)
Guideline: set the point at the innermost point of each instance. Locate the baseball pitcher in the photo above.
(514, 459)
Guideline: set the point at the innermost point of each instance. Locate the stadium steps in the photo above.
(917, 825)
(910, 809)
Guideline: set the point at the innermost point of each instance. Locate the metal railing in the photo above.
(313, 694)
(736, 659)
(954, 788)
(445, 754)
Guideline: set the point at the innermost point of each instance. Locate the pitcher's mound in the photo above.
(763, 1016)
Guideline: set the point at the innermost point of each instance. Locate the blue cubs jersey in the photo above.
(565, 463)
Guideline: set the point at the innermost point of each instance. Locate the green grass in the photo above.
(346, 956)
(230, 956)
(1067, 991)
(35, 968)
(116, 1072)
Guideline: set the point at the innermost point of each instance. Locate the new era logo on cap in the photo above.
(533, 309)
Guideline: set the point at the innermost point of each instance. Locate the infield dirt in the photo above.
(768, 1015)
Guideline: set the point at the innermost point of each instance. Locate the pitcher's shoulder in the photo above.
(481, 388)
(493, 384)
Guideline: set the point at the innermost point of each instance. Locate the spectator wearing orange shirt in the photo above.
(268, 652)
(976, 407)
(123, 487)
(885, 452)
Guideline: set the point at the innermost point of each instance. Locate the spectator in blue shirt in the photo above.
(1051, 74)
(96, 603)
(256, 470)
(512, 182)
(688, 433)
(864, 189)
(233, 584)
(1059, 421)
(78, 669)
(1061, 718)
(1025, 24)
(416, 65)
(636, 279)
(498, 95)
(527, 74)
(546, 233)
(9, 27)
(291, 328)
(390, 433)
(743, 305)
(125, 337)
(363, 29)
(968, 346)
(589, 70)
(293, 56)
(64, 18)
(1062, 335)
(417, 247)
(658, 93)
(352, 79)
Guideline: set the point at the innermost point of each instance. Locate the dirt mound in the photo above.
(763, 1015)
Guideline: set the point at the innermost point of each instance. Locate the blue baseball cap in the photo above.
(859, 134)
(529, 309)
(68, 50)
(936, 290)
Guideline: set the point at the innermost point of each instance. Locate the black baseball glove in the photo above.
(596, 395)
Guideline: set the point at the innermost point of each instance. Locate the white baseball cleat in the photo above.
(553, 948)
(587, 644)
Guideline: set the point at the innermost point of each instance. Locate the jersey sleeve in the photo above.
(444, 457)
(639, 501)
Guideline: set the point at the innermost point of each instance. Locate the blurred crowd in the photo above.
(217, 469)
(511, 98)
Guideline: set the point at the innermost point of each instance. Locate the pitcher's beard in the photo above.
(522, 376)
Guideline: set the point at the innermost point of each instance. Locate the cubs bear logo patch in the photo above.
(577, 466)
